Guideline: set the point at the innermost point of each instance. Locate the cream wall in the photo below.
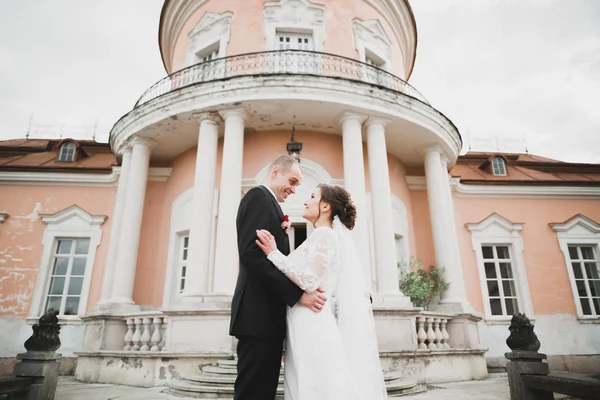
(247, 29)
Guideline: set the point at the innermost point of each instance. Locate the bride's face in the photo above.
(311, 207)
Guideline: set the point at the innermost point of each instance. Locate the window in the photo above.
(500, 281)
(297, 235)
(183, 259)
(67, 152)
(68, 271)
(579, 241)
(498, 247)
(498, 166)
(294, 41)
(210, 55)
(586, 271)
(69, 245)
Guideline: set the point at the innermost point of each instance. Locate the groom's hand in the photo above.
(315, 301)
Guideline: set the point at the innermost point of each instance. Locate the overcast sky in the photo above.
(508, 73)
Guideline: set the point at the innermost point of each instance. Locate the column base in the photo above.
(392, 300)
(454, 306)
(114, 309)
(206, 301)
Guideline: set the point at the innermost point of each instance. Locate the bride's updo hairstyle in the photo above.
(341, 205)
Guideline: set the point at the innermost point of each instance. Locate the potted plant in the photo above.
(422, 285)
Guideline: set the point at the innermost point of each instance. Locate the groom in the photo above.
(262, 292)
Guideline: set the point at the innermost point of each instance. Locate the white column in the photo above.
(115, 230)
(226, 258)
(444, 234)
(387, 271)
(132, 222)
(202, 214)
(354, 181)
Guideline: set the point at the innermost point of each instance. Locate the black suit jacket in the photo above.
(262, 291)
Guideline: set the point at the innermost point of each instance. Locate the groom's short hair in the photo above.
(284, 162)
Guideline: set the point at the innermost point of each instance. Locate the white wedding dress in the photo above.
(324, 361)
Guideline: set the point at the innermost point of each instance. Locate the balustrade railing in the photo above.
(281, 62)
(431, 331)
(145, 332)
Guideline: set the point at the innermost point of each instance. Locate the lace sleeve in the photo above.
(306, 266)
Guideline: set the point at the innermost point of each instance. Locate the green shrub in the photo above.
(422, 285)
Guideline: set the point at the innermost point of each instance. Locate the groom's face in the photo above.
(286, 183)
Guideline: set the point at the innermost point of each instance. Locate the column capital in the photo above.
(239, 112)
(126, 151)
(434, 148)
(143, 141)
(207, 115)
(352, 116)
(377, 121)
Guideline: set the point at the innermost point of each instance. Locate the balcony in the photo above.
(283, 62)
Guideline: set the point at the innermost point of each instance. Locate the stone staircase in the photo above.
(216, 381)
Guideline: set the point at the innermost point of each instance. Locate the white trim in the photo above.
(500, 191)
(579, 230)
(107, 179)
(180, 226)
(401, 226)
(72, 222)
(370, 37)
(294, 16)
(212, 31)
(497, 230)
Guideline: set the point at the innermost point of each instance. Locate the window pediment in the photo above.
(495, 225)
(577, 225)
(300, 16)
(73, 217)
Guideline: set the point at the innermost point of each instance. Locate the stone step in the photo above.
(227, 363)
(216, 379)
(205, 391)
(400, 384)
(212, 369)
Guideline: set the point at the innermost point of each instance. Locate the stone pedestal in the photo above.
(44, 367)
(530, 363)
(464, 332)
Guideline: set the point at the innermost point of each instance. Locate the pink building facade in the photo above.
(133, 241)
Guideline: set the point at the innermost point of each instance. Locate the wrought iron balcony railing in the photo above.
(282, 62)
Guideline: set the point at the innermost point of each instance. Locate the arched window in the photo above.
(498, 166)
(67, 152)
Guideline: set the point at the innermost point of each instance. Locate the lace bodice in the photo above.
(314, 264)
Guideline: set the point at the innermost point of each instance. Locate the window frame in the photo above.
(496, 230)
(578, 230)
(210, 33)
(496, 260)
(65, 149)
(70, 223)
(71, 256)
(502, 164)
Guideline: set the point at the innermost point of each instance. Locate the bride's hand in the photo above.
(266, 241)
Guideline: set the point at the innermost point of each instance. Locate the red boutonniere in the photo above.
(286, 222)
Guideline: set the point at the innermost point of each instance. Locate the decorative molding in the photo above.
(497, 230)
(155, 174)
(370, 36)
(294, 16)
(72, 222)
(73, 211)
(579, 230)
(577, 225)
(213, 29)
(501, 191)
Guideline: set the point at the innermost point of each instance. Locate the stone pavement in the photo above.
(493, 388)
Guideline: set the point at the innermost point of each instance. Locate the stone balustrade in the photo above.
(431, 331)
(145, 332)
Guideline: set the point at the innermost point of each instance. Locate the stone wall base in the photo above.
(67, 365)
(581, 363)
(147, 369)
(144, 369)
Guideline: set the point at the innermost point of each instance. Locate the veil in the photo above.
(355, 320)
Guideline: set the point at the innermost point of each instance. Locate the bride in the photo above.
(331, 355)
